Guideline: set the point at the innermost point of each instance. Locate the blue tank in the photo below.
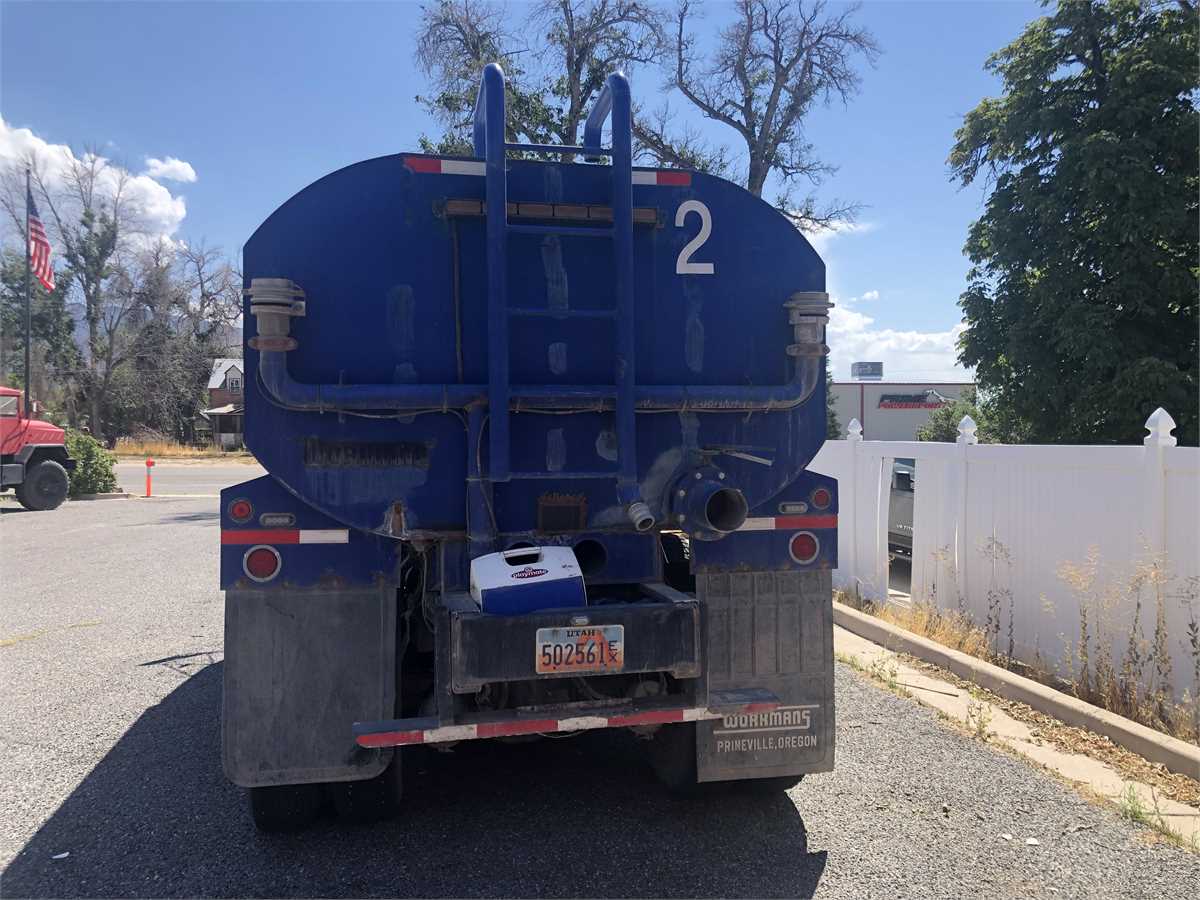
(536, 433)
(624, 328)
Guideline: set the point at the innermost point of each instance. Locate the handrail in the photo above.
(488, 101)
(615, 91)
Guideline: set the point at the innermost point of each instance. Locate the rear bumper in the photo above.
(401, 732)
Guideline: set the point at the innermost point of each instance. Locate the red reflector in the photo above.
(261, 563)
(680, 178)
(423, 164)
(821, 498)
(803, 547)
(241, 510)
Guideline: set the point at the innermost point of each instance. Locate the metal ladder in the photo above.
(491, 146)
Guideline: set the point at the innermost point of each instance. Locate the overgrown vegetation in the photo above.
(1133, 809)
(1131, 676)
(94, 472)
(163, 449)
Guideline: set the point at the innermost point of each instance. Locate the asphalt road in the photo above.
(109, 752)
(195, 478)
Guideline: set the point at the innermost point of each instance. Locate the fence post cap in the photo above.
(1160, 425)
(966, 431)
(854, 431)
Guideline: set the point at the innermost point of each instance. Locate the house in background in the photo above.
(226, 410)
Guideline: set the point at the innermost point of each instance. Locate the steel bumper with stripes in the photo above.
(402, 732)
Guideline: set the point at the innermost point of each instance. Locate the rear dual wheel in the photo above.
(292, 807)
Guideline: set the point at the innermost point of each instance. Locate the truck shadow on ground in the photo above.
(570, 817)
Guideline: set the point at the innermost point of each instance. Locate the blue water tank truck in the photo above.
(536, 436)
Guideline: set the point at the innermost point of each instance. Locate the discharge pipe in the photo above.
(275, 301)
(705, 506)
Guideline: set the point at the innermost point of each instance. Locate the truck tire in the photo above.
(372, 800)
(780, 784)
(45, 486)
(672, 753)
(285, 807)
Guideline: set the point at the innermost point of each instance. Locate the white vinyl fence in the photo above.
(997, 528)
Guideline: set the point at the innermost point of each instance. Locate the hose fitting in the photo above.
(705, 507)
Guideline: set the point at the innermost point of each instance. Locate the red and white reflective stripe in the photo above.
(787, 523)
(285, 536)
(664, 177)
(542, 726)
(430, 165)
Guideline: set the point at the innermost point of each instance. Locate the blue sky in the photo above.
(259, 99)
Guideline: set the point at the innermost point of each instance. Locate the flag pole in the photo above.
(28, 295)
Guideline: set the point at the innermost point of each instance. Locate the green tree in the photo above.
(551, 80)
(1081, 304)
(51, 324)
(943, 423)
(833, 427)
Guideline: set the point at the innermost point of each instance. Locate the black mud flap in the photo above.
(301, 666)
(771, 630)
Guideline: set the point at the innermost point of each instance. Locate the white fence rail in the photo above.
(996, 527)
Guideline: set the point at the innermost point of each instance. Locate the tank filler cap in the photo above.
(276, 295)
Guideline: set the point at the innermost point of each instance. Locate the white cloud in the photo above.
(170, 169)
(820, 239)
(870, 295)
(906, 355)
(155, 214)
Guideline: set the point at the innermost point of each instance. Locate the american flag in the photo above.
(39, 247)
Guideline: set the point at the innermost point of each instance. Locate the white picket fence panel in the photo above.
(992, 521)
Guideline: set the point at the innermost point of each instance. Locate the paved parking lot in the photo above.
(109, 752)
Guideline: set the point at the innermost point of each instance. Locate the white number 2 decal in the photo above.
(684, 264)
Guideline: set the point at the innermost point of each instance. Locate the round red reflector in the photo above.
(804, 547)
(241, 510)
(261, 563)
(821, 498)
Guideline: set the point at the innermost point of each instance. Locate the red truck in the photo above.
(33, 455)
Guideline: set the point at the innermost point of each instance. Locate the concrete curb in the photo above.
(1178, 756)
(116, 495)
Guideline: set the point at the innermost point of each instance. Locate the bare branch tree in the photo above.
(770, 66)
(586, 40)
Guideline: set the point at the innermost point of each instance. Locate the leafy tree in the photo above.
(833, 428)
(943, 423)
(51, 324)
(1081, 304)
(94, 473)
(769, 68)
(549, 86)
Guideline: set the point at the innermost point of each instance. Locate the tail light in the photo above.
(804, 547)
(241, 511)
(261, 563)
(821, 498)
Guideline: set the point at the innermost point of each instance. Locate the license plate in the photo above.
(599, 648)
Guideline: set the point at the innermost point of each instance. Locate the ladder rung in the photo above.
(562, 230)
(534, 312)
(559, 148)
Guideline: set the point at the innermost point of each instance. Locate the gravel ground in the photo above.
(109, 751)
